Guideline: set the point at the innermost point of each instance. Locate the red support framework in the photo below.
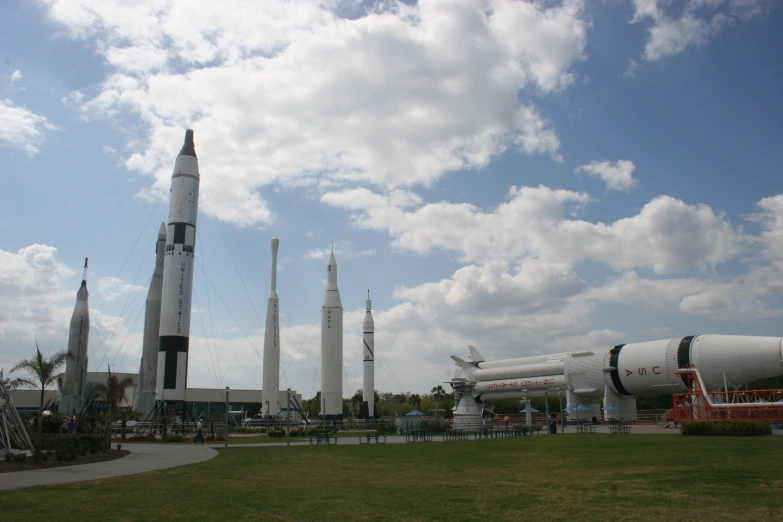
(705, 406)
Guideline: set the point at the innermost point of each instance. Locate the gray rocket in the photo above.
(271, 385)
(75, 383)
(332, 347)
(178, 267)
(148, 369)
(368, 341)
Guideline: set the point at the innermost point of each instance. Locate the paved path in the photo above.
(143, 458)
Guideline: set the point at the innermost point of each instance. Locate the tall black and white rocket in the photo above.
(271, 385)
(178, 268)
(368, 341)
(75, 382)
(148, 369)
(332, 347)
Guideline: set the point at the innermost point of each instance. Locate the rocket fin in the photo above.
(475, 356)
(462, 363)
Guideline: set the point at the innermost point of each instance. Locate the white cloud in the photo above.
(342, 249)
(21, 128)
(294, 94)
(695, 25)
(617, 175)
(13, 84)
(667, 235)
(112, 288)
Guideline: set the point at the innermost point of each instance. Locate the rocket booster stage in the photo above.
(332, 347)
(148, 369)
(271, 383)
(178, 267)
(368, 340)
(76, 367)
(628, 369)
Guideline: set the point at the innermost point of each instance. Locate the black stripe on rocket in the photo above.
(684, 355)
(368, 349)
(614, 355)
(172, 345)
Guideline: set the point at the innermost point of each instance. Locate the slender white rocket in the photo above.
(76, 367)
(148, 369)
(271, 383)
(368, 342)
(332, 347)
(178, 267)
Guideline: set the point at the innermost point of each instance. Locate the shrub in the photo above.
(72, 442)
(176, 438)
(276, 433)
(215, 438)
(728, 428)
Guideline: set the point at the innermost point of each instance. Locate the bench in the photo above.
(585, 428)
(619, 428)
(418, 436)
(322, 439)
(368, 437)
(455, 435)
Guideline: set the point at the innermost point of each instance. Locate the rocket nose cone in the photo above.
(82, 294)
(188, 148)
(162, 231)
(332, 260)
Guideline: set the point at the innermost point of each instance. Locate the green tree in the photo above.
(44, 372)
(113, 392)
(438, 393)
(414, 400)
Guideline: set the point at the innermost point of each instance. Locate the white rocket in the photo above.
(368, 340)
(75, 383)
(178, 267)
(332, 347)
(271, 384)
(148, 369)
(617, 374)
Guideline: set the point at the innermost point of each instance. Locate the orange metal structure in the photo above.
(699, 404)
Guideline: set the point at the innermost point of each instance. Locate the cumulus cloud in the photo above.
(112, 288)
(617, 175)
(21, 128)
(296, 94)
(667, 235)
(672, 31)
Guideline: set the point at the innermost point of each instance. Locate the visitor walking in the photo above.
(199, 434)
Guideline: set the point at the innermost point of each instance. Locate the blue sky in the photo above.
(529, 177)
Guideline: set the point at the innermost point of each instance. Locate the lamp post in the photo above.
(225, 443)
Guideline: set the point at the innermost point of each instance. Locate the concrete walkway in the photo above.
(142, 458)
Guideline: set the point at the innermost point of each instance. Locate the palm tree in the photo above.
(438, 393)
(44, 373)
(415, 401)
(113, 392)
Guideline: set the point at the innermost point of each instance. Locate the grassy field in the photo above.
(575, 477)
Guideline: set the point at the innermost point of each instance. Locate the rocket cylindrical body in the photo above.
(271, 382)
(514, 372)
(178, 268)
(76, 366)
(368, 342)
(148, 370)
(332, 347)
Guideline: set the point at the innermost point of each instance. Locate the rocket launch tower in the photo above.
(271, 385)
(75, 384)
(148, 369)
(178, 267)
(332, 347)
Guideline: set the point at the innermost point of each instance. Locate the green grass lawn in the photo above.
(575, 477)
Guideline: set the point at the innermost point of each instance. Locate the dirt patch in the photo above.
(30, 464)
